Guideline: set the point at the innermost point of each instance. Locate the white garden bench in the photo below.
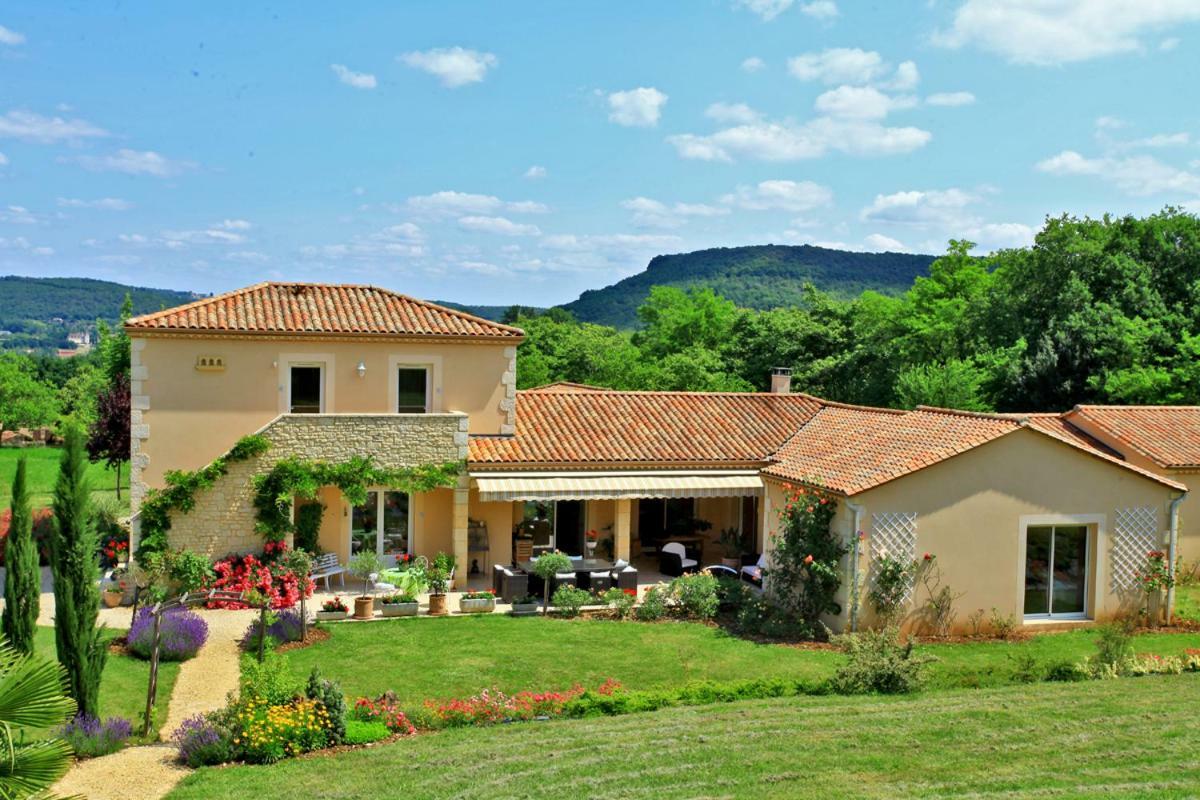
(325, 567)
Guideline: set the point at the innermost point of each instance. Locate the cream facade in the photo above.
(974, 512)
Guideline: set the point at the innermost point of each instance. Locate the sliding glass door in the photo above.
(1056, 564)
(381, 525)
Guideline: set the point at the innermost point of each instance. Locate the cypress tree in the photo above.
(73, 560)
(22, 580)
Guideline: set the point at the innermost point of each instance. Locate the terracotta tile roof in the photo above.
(1167, 435)
(557, 427)
(315, 308)
(567, 386)
(850, 449)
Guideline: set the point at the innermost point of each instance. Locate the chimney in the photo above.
(781, 380)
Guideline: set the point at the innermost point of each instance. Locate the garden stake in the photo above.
(152, 691)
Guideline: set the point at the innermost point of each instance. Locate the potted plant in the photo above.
(589, 541)
(399, 605)
(365, 566)
(438, 576)
(334, 609)
(477, 602)
(546, 567)
(525, 605)
(732, 547)
(113, 594)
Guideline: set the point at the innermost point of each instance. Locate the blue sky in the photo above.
(522, 152)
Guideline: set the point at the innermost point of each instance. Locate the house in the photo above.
(1032, 514)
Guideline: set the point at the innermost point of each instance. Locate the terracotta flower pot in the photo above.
(364, 607)
(437, 605)
(113, 597)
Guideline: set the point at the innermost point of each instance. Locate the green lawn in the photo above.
(1187, 602)
(1128, 738)
(123, 685)
(43, 471)
(437, 658)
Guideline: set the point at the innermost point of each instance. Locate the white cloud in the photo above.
(860, 102)
(950, 99)
(10, 37)
(17, 215)
(650, 213)
(103, 203)
(536, 172)
(1047, 32)
(1110, 123)
(359, 80)
(135, 162)
(994, 235)
(767, 9)
(787, 141)
(214, 235)
(753, 64)
(838, 65)
(732, 112)
(233, 225)
(42, 251)
(451, 203)
(820, 9)
(3, 160)
(944, 208)
(500, 226)
(1135, 175)
(453, 66)
(885, 244)
(1169, 44)
(639, 107)
(248, 257)
(782, 195)
(31, 127)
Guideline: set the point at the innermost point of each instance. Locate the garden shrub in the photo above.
(893, 580)
(363, 732)
(732, 594)
(269, 732)
(1003, 625)
(202, 741)
(876, 662)
(181, 634)
(620, 601)
(1026, 668)
(282, 627)
(696, 595)
(90, 737)
(569, 600)
(1067, 672)
(383, 709)
(805, 573)
(329, 694)
(308, 526)
(654, 604)
(270, 681)
(268, 573)
(1114, 649)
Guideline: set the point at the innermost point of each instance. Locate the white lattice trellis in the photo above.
(1134, 535)
(893, 534)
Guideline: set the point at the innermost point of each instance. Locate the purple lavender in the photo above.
(181, 634)
(285, 628)
(89, 737)
(201, 742)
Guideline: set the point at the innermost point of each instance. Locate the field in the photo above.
(42, 471)
(1128, 738)
(453, 657)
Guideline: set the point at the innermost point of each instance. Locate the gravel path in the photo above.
(150, 772)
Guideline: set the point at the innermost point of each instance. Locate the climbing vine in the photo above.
(179, 494)
(295, 477)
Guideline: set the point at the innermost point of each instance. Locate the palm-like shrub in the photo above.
(31, 696)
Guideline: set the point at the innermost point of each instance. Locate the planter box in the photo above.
(332, 616)
(399, 609)
(525, 609)
(481, 606)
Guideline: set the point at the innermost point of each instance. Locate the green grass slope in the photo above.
(760, 276)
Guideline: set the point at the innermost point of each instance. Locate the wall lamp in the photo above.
(361, 369)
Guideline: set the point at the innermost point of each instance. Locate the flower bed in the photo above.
(492, 706)
(181, 634)
(265, 573)
(90, 738)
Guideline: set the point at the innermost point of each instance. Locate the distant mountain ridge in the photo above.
(78, 299)
(756, 276)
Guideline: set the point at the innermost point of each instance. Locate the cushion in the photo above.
(620, 563)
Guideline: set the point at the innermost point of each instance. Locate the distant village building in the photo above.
(81, 338)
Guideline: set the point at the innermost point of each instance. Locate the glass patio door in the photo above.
(1056, 559)
(381, 525)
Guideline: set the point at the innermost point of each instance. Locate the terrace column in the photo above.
(458, 536)
(621, 528)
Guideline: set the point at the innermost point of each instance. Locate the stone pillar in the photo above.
(621, 528)
(458, 538)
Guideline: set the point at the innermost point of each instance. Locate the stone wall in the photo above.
(222, 520)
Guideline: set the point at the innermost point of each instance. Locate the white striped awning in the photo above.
(613, 485)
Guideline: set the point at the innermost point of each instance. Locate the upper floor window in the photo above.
(412, 390)
(306, 388)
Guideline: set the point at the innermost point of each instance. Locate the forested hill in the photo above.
(77, 299)
(760, 276)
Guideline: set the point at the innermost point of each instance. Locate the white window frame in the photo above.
(292, 365)
(1096, 526)
(395, 374)
(379, 499)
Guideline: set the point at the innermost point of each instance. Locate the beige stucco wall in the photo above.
(185, 417)
(222, 520)
(971, 510)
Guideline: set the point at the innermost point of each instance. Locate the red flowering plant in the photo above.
(266, 574)
(1156, 575)
(113, 552)
(805, 572)
(493, 706)
(383, 709)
